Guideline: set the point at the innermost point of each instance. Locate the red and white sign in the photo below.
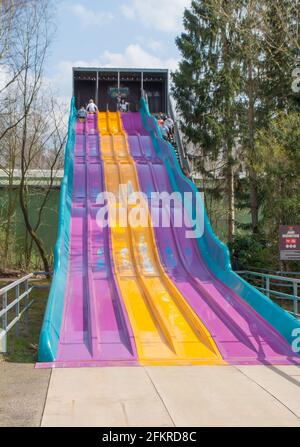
(289, 236)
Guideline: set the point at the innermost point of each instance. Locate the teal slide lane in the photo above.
(213, 251)
(50, 333)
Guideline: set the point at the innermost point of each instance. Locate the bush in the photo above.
(251, 251)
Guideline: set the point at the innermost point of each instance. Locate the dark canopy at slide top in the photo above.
(104, 84)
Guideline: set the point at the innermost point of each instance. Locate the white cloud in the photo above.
(62, 80)
(128, 12)
(89, 17)
(153, 45)
(163, 16)
(134, 56)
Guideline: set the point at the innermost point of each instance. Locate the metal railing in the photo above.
(17, 305)
(180, 146)
(276, 287)
(274, 272)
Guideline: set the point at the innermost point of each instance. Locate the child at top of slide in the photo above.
(81, 114)
(91, 108)
(124, 106)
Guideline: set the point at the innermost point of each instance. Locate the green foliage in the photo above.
(278, 166)
(251, 251)
(20, 247)
(233, 89)
(206, 82)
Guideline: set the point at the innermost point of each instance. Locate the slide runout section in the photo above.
(95, 329)
(166, 329)
(240, 333)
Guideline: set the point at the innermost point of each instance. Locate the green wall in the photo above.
(48, 227)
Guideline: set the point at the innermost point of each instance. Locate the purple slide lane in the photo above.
(95, 328)
(241, 334)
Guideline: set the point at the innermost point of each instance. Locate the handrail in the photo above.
(182, 155)
(271, 272)
(6, 307)
(263, 275)
(266, 285)
(14, 284)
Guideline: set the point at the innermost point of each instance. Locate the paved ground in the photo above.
(23, 392)
(174, 396)
(151, 396)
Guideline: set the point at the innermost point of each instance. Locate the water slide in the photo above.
(166, 329)
(145, 294)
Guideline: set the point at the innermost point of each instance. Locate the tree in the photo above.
(9, 157)
(233, 79)
(206, 86)
(9, 116)
(32, 43)
(32, 132)
(267, 55)
(45, 141)
(46, 137)
(10, 69)
(278, 167)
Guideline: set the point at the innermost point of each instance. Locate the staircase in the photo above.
(175, 147)
(176, 139)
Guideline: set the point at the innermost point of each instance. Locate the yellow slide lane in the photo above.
(166, 329)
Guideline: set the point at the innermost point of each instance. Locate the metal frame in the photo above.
(273, 272)
(6, 327)
(125, 70)
(142, 71)
(97, 88)
(267, 281)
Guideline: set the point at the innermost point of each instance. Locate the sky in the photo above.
(113, 33)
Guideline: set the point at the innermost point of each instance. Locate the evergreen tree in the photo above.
(234, 78)
(278, 166)
(267, 56)
(206, 86)
(251, 115)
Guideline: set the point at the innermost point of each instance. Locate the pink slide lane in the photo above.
(95, 328)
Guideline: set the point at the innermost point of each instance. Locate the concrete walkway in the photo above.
(23, 392)
(151, 396)
(174, 396)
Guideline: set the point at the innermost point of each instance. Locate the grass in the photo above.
(23, 348)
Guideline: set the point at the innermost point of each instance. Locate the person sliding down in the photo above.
(81, 114)
(92, 108)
